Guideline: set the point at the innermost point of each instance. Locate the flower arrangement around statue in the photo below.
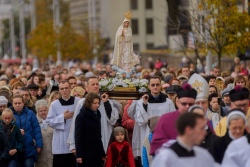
(114, 84)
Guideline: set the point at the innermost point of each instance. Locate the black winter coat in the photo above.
(209, 141)
(88, 138)
(219, 147)
(4, 149)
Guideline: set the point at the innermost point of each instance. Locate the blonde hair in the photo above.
(9, 111)
(52, 95)
(78, 89)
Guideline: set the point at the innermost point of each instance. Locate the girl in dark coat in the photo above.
(119, 152)
(88, 139)
(14, 136)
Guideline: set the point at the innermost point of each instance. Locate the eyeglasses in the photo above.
(185, 104)
(241, 105)
(153, 85)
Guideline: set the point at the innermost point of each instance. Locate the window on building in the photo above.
(133, 4)
(135, 26)
(136, 47)
(150, 45)
(149, 26)
(149, 4)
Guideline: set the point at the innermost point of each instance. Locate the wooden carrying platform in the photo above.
(121, 93)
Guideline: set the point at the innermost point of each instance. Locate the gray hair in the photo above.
(41, 103)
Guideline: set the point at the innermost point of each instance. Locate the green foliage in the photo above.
(226, 27)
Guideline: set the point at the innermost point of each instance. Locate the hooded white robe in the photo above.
(124, 56)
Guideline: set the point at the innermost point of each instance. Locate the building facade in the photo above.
(148, 22)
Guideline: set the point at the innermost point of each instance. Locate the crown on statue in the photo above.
(128, 15)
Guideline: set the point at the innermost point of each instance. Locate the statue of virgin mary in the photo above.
(124, 56)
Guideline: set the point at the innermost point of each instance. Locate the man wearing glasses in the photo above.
(59, 118)
(239, 97)
(165, 130)
(153, 104)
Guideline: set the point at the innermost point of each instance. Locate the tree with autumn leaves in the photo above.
(43, 40)
(219, 26)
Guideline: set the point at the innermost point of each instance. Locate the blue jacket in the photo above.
(145, 160)
(27, 121)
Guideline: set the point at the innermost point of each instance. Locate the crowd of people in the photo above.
(55, 116)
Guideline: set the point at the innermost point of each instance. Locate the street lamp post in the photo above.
(22, 31)
(12, 34)
(56, 17)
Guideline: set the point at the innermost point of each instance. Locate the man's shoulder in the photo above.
(202, 152)
(239, 143)
(170, 114)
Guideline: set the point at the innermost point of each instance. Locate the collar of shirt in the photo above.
(66, 99)
(184, 145)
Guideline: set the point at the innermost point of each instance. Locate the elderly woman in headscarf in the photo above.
(45, 156)
(236, 121)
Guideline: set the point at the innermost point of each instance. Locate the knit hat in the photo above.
(226, 90)
(233, 112)
(186, 91)
(239, 93)
(152, 122)
(118, 129)
(167, 78)
(3, 100)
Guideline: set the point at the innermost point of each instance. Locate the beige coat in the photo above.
(45, 157)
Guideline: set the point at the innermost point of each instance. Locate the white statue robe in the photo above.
(106, 124)
(124, 56)
(137, 112)
(237, 153)
(168, 158)
(55, 120)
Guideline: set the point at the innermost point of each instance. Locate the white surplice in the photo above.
(55, 120)
(237, 153)
(137, 112)
(168, 158)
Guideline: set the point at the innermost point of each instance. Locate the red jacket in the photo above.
(120, 152)
(127, 122)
